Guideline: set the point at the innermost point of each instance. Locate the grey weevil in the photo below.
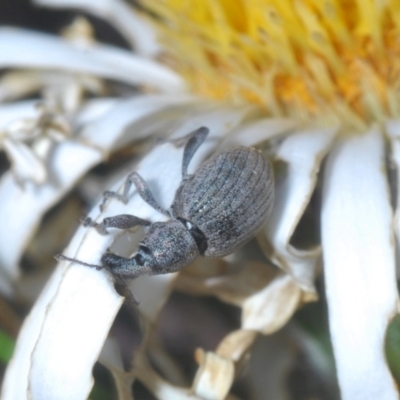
(215, 210)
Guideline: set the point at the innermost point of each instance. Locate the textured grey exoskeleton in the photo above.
(215, 211)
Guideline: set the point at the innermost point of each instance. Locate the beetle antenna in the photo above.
(61, 257)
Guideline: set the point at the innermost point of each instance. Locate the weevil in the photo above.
(217, 209)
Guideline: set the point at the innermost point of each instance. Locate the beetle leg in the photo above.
(196, 139)
(126, 292)
(145, 192)
(123, 221)
(142, 189)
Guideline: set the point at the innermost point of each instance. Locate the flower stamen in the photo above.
(329, 61)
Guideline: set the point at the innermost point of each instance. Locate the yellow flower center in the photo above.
(332, 61)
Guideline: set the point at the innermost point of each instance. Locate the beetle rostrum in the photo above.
(215, 210)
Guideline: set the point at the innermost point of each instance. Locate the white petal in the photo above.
(74, 329)
(393, 129)
(110, 355)
(152, 292)
(111, 358)
(159, 387)
(12, 115)
(134, 28)
(235, 345)
(17, 111)
(28, 49)
(122, 120)
(25, 164)
(61, 313)
(17, 84)
(15, 382)
(359, 258)
(271, 308)
(234, 287)
(303, 153)
(93, 110)
(23, 207)
(214, 376)
(261, 130)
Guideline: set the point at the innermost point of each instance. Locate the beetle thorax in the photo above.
(171, 244)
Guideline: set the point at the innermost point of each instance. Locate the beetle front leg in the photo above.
(126, 292)
(123, 221)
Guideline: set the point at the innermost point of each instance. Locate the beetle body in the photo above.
(214, 211)
(227, 199)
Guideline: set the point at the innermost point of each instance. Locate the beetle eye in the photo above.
(139, 259)
(145, 250)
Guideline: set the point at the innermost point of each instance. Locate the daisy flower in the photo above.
(314, 84)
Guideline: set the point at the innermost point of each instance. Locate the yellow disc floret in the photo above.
(332, 60)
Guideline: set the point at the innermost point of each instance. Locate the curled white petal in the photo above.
(28, 49)
(122, 122)
(15, 384)
(359, 259)
(78, 317)
(303, 153)
(134, 28)
(59, 314)
(24, 206)
(92, 111)
(17, 111)
(25, 164)
(258, 131)
(214, 376)
(159, 387)
(270, 308)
